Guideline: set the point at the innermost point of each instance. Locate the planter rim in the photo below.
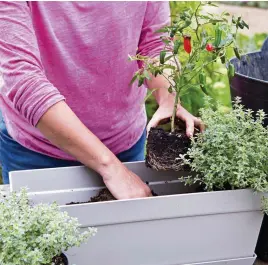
(156, 197)
(185, 203)
(248, 77)
(165, 207)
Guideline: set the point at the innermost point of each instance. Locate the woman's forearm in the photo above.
(63, 128)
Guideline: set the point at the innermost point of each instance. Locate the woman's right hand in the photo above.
(123, 183)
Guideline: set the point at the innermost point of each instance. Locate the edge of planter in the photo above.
(165, 207)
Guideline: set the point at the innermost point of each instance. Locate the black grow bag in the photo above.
(251, 79)
(63, 259)
(251, 84)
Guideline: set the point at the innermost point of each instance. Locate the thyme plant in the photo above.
(189, 48)
(35, 234)
(232, 152)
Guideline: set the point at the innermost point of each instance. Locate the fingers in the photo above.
(191, 124)
(198, 123)
(189, 127)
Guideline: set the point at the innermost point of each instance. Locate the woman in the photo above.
(66, 97)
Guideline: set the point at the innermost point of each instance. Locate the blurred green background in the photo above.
(218, 85)
(258, 4)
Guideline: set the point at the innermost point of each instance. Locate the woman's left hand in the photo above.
(165, 111)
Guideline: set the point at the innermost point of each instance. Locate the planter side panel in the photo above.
(80, 177)
(172, 241)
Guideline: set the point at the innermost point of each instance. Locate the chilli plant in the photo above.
(189, 49)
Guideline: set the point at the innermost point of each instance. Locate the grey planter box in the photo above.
(177, 228)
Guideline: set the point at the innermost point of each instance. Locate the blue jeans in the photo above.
(14, 156)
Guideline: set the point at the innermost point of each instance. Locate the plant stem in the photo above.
(177, 63)
(177, 96)
(196, 31)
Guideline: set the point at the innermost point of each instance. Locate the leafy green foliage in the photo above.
(35, 234)
(217, 82)
(190, 48)
(232, 152)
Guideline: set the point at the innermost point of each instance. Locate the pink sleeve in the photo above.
(26, 87)
(157, 16)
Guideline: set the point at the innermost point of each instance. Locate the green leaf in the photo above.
(240, 25)
(225, 14)
(162, 30)
(177, 46)
(141, 80)
(237, 53)
(205, 17)
(223, 59)
(245, 24)
(172, 33)
(168, 58)
(216, 20)
(234, 20)
(134, 78)
(231, 70)
(168, 66)
(162, 57)
(165, 41)
(202, 78)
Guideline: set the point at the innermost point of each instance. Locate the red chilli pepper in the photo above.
(187, 44)
(209, 47)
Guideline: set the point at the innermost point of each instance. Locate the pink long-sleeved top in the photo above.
(77, 52)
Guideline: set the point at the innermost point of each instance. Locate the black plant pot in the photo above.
(251, 84)
(251, 79)
(262, 244)
(62, 259)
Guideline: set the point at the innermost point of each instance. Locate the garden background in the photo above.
(255, 13)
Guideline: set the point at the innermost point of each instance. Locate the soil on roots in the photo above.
(164, 149)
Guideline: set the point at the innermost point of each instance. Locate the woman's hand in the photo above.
(165, 111)
(123, 183)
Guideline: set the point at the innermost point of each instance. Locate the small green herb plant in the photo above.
(232, 152)
(35, 234)
(189, 49)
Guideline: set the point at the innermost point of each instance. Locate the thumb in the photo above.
(153, 122)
